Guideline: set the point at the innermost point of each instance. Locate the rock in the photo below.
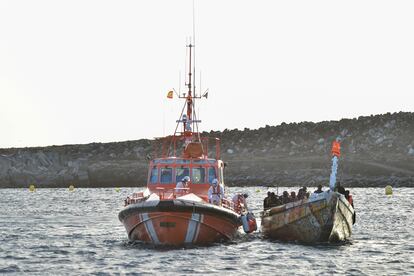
(5, 164)
(380, 140)
(42, 159)
(390, 124)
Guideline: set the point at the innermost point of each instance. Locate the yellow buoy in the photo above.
(117, 189)
(71, 188)
(388, 190)
(257, 191)
(32, 188)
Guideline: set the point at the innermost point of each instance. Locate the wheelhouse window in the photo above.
(164, 161)
(211, 174)
(199, 174)
(154, 175)
(166, 175)
(182, 161)
(180, 173)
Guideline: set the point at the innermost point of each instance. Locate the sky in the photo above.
(75, 72)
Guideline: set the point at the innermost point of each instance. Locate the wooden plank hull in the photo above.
(171, 222)
(326, 217)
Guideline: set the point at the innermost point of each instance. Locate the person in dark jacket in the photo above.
(292, 196)
(285, 197)
(319, 190)
(267, 201)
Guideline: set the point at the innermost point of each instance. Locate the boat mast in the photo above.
(189, 96)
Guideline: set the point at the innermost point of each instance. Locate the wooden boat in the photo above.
(323, 217)
(165, 214)
(327, 216)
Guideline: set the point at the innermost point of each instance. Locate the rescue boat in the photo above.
(323, 217)
(165, 214)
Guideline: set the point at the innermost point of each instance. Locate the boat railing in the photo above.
(228, 204)
(174, 145)
(171, 193)
(163, 193)
(135, 198)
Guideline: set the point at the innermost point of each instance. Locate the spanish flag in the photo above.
(170, 94)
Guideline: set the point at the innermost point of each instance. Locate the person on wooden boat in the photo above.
(319, 190)
(215, 193)
(274, 200)
(182, 184)
(267, 201)
(339, 188)
(285, 197)
(277, 200)
(301, 194)
(305, 192)
(348, 196)
(293, 196)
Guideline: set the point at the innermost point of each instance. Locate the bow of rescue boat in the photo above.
(179, 222)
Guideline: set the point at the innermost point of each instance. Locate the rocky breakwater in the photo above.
(90, 165)
(376, 151)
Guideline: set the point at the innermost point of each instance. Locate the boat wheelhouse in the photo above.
(165, 173)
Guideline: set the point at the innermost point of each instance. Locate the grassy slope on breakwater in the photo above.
(376, 151)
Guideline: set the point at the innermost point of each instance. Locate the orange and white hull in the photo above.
(179, 222)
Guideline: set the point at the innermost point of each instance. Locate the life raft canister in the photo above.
(336, 149)
(249, 222)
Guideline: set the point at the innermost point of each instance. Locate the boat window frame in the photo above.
(171, 175)
(201, 181)
(164, 161)
(181, 177)
(182, 162)
(154, 168)
(210, 181)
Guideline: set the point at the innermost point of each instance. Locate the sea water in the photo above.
(55, 231)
